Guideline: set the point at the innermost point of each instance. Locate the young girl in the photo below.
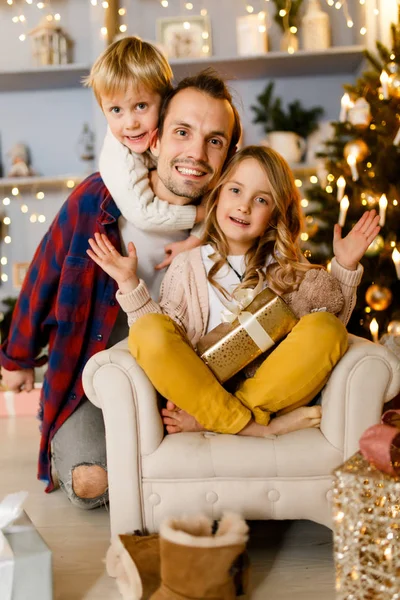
(253, 226)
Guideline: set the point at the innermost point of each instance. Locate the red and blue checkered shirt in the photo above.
(67, 302)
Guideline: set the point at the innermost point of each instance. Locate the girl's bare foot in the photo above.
(300, 418)
(178, 420)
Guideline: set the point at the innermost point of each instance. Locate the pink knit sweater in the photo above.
(184, 294)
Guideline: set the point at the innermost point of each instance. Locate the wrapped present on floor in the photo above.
(22, 404)
(366, 516)
(25, 559)
(253, 325)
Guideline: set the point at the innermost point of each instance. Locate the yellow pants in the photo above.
(289, 377)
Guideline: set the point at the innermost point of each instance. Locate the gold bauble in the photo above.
(357, 148)
(394, 328)
(394, 79)
(376, 246)
(378, 297)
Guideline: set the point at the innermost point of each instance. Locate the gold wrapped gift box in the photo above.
(366, 517)
(228, 348)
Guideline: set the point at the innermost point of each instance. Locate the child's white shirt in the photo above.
(126, 176)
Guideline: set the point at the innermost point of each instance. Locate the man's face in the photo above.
(194, 144)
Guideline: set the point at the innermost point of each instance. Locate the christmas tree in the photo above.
(362, 172)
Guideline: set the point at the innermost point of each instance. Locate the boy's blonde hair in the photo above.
(129, 62)
(280, 241)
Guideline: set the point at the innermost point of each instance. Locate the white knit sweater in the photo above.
(126, 176)
(184, 294)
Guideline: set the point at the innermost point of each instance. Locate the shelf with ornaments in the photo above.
(46, 77)
(334, 60)
(8, 184)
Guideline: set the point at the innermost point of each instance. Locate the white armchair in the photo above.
(289, 477)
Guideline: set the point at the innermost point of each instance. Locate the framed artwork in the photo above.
(19, 271)
(185, 37)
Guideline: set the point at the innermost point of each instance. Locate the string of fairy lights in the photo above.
(13, 193)
(250, 6)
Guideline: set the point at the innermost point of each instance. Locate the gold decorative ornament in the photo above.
(356, 148)
(394, 79)
(376, 246)
(394, 328)
(366, 518)
(378, 297)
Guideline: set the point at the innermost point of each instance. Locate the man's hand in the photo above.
(15, 381)
(172, 250)
(351, 249)
(121, 268)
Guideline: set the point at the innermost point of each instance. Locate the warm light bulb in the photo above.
(15, 191)
(304, 203)
(189, 6)
(103, 31)
(7, 239)
(363, 30)
(105, 4)
(6, 201)
(40, 195)
(123, 28)
(57, 17)
(3, 260)
(6, 220)
(298, 182)
(122, 12)
(41, 218)
(250, 8)
(24, 208)
(33, 218)
(282, 13)
(186, 25)
(4, 277)
(71, 182)
(22, 37)
(374, 329)
(40, 5)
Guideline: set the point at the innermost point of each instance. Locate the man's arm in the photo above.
(126, 176)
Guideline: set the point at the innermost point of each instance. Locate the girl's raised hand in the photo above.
(121, 268)
(351, 249)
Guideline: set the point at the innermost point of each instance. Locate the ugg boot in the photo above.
(196, 564)
(134, 561)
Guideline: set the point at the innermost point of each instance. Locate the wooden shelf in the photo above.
(51, 77)
(39, 180)
(340, 59)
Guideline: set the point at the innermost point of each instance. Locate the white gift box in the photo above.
(25, 559)
(251, 33)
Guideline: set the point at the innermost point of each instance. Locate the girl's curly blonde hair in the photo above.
(280, 241)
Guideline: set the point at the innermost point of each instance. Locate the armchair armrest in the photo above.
(366, 377)
(115, 383)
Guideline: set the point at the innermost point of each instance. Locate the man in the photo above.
(68, 303)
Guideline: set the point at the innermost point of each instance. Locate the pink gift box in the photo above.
(22, 404)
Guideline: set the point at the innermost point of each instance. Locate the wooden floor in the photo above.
(290, 560)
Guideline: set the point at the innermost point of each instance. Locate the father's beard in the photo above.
(183, 191)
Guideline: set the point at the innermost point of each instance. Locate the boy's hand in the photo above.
(121, 268)
(16, 381)
(200, 214)
(351, 249)
(172, 250)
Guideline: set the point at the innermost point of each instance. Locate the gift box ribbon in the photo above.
(235, 310)
(10, 510)
(380, 444)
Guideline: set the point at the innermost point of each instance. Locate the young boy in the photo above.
(130, 80)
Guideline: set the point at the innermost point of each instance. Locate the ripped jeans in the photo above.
(80, 441)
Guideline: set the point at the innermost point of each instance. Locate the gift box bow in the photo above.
(10, 510)
(380, 444)
(243, 297)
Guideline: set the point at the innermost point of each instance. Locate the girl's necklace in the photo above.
(240, 277)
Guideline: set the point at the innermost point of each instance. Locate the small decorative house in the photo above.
(50, 44)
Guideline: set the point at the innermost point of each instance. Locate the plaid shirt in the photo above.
(67, 302)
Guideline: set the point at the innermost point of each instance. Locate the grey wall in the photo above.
(50, 121)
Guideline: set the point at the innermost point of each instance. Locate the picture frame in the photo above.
(185, 37)
(19, 270)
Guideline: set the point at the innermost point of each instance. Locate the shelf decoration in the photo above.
(20, 160)
(251, 34)
(286, 16)
(20, 18)
(51, 45)
(185, 37)
(316, 27)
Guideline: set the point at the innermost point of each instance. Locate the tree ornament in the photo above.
(394, 78)
(378, 297)
(356, 148)
(394, 328)
(376, 246)
(359, 115)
